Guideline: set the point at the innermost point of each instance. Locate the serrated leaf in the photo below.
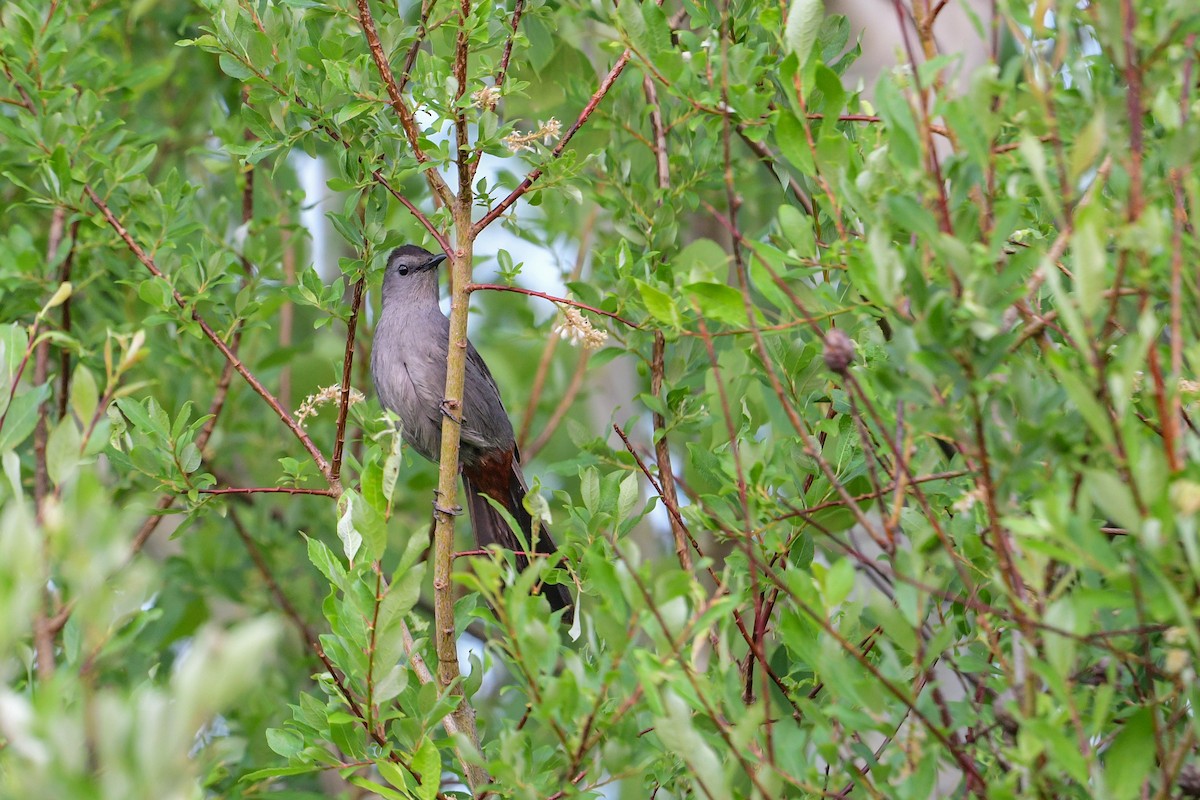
(629, 15)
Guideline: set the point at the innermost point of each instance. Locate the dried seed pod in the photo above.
(839, 351)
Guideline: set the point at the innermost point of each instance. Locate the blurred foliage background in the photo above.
(880, 481)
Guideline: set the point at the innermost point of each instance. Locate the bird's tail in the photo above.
(504, 483)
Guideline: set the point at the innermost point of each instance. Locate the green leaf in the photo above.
(790, 136)
(720, 302)
(839, 580)
(346, 530)
(677, 731)
(234, 68)
(627, 495)
(629, 15)
(1131, 757)
(13, 342)
(59, 297)
(391, 468)
(589, 487)
(85, 395)
(143, 159)
(21, 417)
(427, 763)
(803, 22)
(284, 742)
(62, 450)
(323, 559)
(660, 305)
(1090, 268)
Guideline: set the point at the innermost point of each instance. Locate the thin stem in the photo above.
(536, 172)
(408, 122)
(339, 441)
(496, 287)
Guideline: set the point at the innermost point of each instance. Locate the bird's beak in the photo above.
(433, 262)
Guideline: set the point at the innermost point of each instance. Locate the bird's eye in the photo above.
(403, 270)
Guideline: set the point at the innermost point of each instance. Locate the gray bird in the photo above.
(408, 365)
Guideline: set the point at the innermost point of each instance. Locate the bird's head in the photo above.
(411, 270)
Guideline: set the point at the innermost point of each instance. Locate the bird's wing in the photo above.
(486, 425)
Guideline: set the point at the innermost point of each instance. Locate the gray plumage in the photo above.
(408, 364)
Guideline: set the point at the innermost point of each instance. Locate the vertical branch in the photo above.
(287, 313)
(445, 509)
(445, 505)
(407, 120)
(1172, 433)
(64, 355)
(43, 634)
(662, 447)
(411, 57)
(662, 454)
(41, 363)
(502, 72)
(339, 442)
(461, 55)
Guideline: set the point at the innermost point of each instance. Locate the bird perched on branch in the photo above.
(408, 365)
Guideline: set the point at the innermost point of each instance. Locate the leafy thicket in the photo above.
(900, 501)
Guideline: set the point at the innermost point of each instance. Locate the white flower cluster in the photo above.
(486, 98)
(576, 329)
(327, 394)
(548, 131)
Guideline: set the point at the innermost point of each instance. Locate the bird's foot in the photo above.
(448, 408)
(449, 512)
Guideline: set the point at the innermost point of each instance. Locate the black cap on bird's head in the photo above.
(409, 258)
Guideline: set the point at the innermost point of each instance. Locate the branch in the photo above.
(212, 336)
(411, 57)
(268, 490)
(339, 441)
(496, 287)
(502, 72)
(536, 172)
(445, 644)
(407, 120)
(462, 158)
